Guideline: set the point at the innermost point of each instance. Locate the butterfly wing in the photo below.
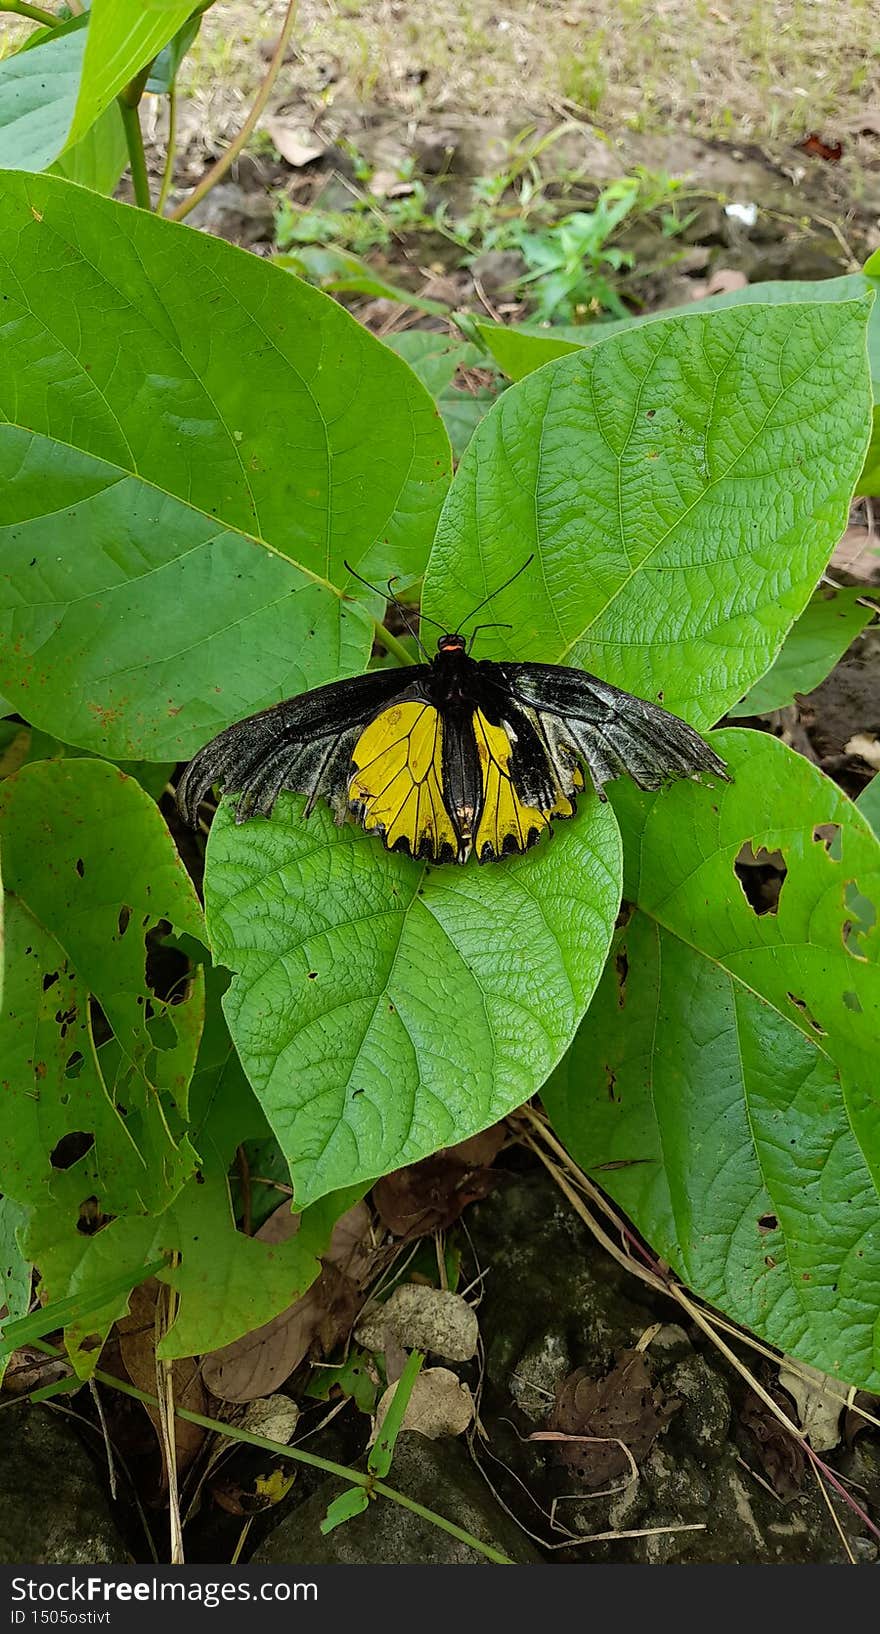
(408, 781)
(578, 717)
(304, 744)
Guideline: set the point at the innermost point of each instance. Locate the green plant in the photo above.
(220, 440)
(197, 579)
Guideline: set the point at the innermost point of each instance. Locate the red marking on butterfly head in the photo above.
(451, 643)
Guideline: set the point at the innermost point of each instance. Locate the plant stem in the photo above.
(35, 13)
(353, 1476)
(134, 139)
(391, 643)
(170, 146)
(213, 176)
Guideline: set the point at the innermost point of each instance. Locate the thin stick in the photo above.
(218, 170)
(35, 13)
(834, 1516)
(170, 148)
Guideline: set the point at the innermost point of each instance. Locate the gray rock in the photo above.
(538, 1374)
(704, 1415)
(438, 1474)
(53, 1509)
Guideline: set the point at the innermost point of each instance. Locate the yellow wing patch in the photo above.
(395, 786)
(506, 823)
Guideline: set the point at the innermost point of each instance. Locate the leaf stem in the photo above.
(170, 148)
(218, 170)
(35, 13)
(391, 643)
(298, 1456)
(137, 159)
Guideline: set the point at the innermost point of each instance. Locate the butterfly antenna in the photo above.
(389, 595)
(497, 591)
(495, 625)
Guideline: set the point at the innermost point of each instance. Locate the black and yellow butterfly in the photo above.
(448, 757)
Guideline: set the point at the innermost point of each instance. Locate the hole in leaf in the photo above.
(800, 1004)
(168, 968)
(621, 965)
(101, 1028)
(73, 1064)
(828, 834)
(768, 1222)
(852, 1001)
(49, 979)
(124, 918)
(80, 866)
(90, 1217)
(761, 874)
(70, 1148)
(611, 1079)
(862, 917)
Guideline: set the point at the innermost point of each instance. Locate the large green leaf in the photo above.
(815, 957)
(520, 350)
(218, 438)
(38, 90)
(681, 486)
(438, 360)
(725, 1136)
(228, 1283)
(123, 36)
(98, 159)
(383, 1008)
(828, 625)
(90, 870)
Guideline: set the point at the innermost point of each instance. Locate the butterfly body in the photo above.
(453, 757)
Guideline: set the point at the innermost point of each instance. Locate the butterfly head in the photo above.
(451, 642)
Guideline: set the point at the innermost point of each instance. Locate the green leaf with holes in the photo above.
(228, 1283)
(813, 954)
(829, 624)
(90, 871)
(723, 1086)
(729, 1140)
(383, 1008)
(681, 486)
(194, 442)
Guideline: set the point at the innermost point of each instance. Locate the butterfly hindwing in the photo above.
(396, 786)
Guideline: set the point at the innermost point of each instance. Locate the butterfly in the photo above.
(450, 757)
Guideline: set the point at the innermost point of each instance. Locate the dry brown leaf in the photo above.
(259, 1362)
(624, 1407)
(422, 1318)
(136, 1334)
(722, 282)
(858, 554)
(782, 1457)
(430, 1196)
(818, 1410)
(439, 1405)
(297, 144)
